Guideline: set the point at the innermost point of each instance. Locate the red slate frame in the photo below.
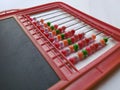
(71, 78)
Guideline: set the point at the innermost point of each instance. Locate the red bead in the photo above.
(92, 48)
(84, 42)
(57, 45)
(55, 26)
(67, 34)
(64, 52)
(76, 37)
(80, 44)
(72, 60)
(81, 55)
(51, 39)
(96, 45)
(60, 30)
(87, 40)
(88, 50)
(63, 28)
(72, 39)
(81, 35)
(72, 32)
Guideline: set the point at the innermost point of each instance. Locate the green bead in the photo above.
(52, 27)
(75, 47)
(85, 52)
(58, 31)
(69, 41)
(63, 36)
(48, 23)
(105, 39)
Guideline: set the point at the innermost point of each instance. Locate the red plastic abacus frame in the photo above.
(71, 78)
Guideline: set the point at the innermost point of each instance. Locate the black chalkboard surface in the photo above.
(22, 67)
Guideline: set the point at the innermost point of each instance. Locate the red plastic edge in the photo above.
(96, 70)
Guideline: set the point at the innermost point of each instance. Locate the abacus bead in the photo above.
(92, 48)
(61, 44)
(67, 34)
(105, 39)
(51, 39)
(49, 28)
(93, 36)
(45, 24)
(46, 30)
(88, 50)
(60, 30)
(55, 26)
(72, 60)
(84, 42)
(102, 41)
(72, 39)
(72, 31)
(65, 42)
(59, 37)
(64, 52)
(87, 40)
(63, 28)
(57, 31)
(63, 36)
(75, 47)
(38, 22)
(96, 45)
(42, 21)
(69, 41)
(81, 55)
(76, 37)
(57, 45)
(85, 52)
(50, 34)
(80, 35)
(48, 23)
(71, 48)
(52, 27)
(54, 32)
(80, 44)
(55, 39)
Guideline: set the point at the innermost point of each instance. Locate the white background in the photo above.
(105, 10)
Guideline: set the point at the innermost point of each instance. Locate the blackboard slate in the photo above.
(22, 67)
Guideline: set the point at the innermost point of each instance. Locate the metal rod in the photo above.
(72, 24)
(89, 30)
(66, 21)
(98, 33)
(60, 18)
(54, 16)
(48, 14)
(81, 27)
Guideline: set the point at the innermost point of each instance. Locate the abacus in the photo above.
(80, 49)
